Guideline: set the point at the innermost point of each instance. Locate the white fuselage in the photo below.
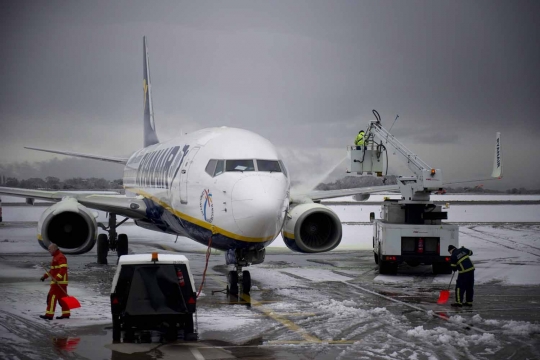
(186, 194)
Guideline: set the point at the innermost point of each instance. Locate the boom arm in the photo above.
(414, 188)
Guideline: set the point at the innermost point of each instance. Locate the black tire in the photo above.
(116, 329)
(170, 335)
(246, 282)
(376, 258)
(129, 336)
(189, 332)
(233, 282)
(102, 249)
(122, 245)
(383, 267)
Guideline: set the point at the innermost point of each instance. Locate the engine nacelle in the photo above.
(311, 228)
(69, 225)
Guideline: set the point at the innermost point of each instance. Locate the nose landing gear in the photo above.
(238, 281)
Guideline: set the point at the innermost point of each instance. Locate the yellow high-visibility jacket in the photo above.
(359, 139)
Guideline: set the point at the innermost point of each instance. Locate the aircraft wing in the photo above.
(113, 159)
(132, 207)
(329, 194)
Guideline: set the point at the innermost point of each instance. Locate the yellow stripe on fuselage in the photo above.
(288, 235)
(198, 222)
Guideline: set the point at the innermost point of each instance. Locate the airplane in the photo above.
(223, 187)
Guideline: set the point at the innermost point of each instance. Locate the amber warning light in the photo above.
(154, 256)
(432, 172)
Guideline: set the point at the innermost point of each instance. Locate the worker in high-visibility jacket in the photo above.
(460, 261)
(359, 141)
(59, 283)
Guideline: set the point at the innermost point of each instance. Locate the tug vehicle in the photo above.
(153, 292)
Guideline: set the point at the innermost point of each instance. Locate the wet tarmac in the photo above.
(314, 306)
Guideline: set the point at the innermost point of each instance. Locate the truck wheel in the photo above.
(122, 245)
(189, 334)
(116, 329)
(102, 249)
(383, 266)
(376, 258)
(435, 268)
(171, 334)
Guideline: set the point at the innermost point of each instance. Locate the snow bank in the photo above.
(440, 335)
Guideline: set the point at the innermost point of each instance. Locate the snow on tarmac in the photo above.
(507, 254)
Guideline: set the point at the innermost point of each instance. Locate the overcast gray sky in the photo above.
(304, 74)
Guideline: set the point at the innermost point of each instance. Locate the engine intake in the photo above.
(69, 225)
(312, 228)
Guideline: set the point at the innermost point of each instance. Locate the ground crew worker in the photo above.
(460, 261)
(359, 141)
(59, 282)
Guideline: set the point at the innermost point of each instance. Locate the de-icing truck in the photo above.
(409, 230)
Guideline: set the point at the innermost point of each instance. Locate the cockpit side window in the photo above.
(239, 165)
(283, 168)
(220, 167)
(268, 165)
(211, 167)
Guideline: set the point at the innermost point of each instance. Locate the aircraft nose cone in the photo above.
(258, 205)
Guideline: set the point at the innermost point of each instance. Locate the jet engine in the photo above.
(69, 225)
(311, 228)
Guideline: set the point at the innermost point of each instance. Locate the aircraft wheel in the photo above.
(102, 249)
(122, 245)
(233, 282)
(246, 282)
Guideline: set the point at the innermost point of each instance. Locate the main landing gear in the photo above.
(113, 241)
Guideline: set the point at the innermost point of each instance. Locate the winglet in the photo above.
(150, 136)
(497, 160)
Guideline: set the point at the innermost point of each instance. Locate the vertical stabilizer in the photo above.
(497, 160)
(150, 136)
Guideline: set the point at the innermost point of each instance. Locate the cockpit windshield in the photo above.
(268, 165)
(218, 167)
(239, 165)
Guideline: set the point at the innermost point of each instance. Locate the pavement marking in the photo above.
(285, 322)
(168, 248)
(196, 353)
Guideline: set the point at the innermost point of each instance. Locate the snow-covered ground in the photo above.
(309, 306)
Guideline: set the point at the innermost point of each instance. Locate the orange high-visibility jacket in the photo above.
(59, 269)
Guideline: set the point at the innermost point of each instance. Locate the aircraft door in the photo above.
(184, 172)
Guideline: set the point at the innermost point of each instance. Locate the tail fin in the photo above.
(150, 136)
(497, 160)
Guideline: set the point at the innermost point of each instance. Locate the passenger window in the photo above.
(239, 165)
(219, 168)
(211, 167)
(268, 165)
(283, 168)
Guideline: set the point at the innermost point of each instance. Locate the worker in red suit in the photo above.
(59, 283)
